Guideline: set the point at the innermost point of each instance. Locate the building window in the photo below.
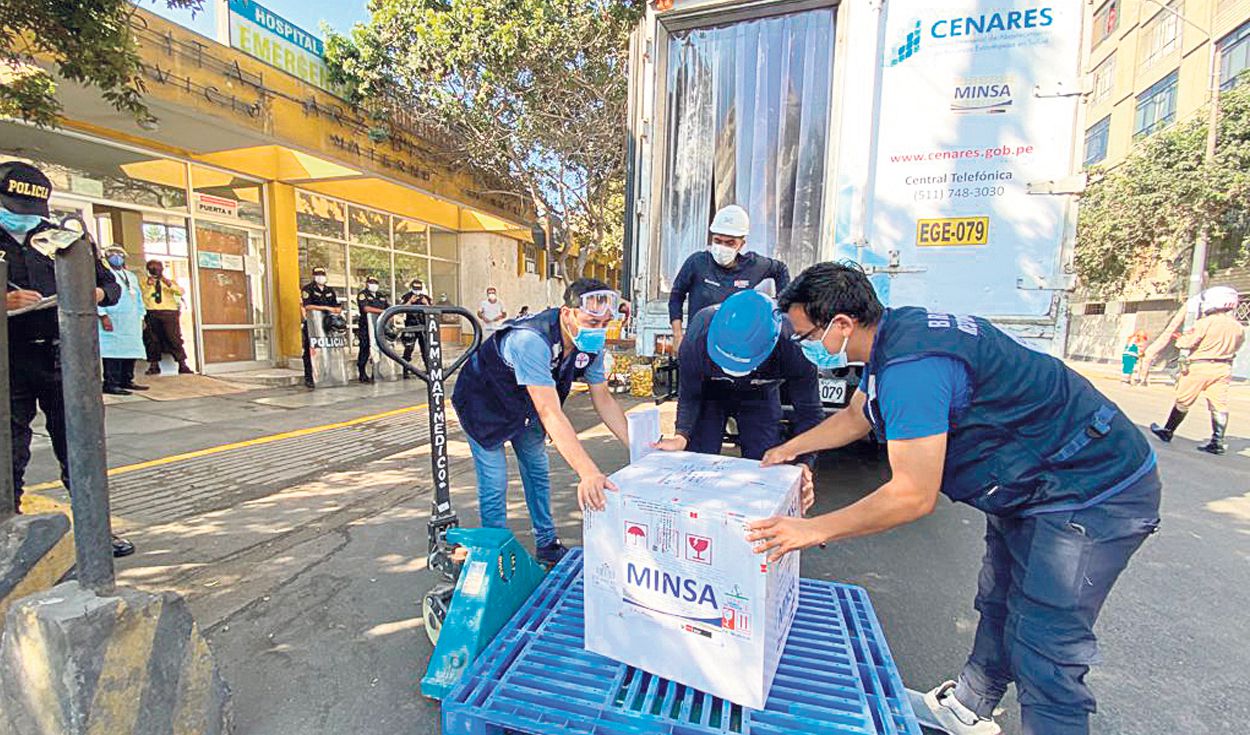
(1234, 55)
(1156, 107)
(1106, 20)
(1162, 35)
(1095, 309)
(1096, 141)
(1104, 80)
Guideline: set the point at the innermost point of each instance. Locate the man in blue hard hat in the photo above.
(1068, 485)
(735, 359)
(512, 391)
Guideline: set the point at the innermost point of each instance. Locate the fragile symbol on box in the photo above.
(635, 534)
(699, 548)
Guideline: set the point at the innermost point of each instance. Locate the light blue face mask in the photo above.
(820, 356)
(19, 225)
(590, 339)
(116, 261)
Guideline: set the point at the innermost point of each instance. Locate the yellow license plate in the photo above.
(952, 231)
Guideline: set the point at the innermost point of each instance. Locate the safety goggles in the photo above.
(599, 303)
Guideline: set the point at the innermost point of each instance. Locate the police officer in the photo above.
(317, 298)
(1067, 482)
(34, 337)
(369, 301)
(710, 276)
(512, 390)
(1212, 343)
(415, 324)
(735, 359)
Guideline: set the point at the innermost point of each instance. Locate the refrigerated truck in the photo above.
(932, 141)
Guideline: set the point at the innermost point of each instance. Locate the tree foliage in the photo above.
(1153, 207)
(87, 41)
(529, 91)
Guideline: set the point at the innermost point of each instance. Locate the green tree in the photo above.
(531, 92)
(86, 41)
(1153, 206)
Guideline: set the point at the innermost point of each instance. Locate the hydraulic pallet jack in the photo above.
(485, 574)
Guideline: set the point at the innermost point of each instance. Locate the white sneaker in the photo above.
(948, 714)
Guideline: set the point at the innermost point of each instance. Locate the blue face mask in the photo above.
(816, 352)
(591, 339)
(19, 224)
(116, 261)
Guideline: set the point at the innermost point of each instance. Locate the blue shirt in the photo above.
(918, 398)
(705, 283)
(527, 353)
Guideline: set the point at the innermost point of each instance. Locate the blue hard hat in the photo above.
(743, 332)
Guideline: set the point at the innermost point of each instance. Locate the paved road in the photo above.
(310, 592)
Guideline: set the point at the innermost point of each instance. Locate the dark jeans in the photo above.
(35, 384)
(118, 373)
(418, 346)
(759, 422)
(163, 333)
(1043, 582)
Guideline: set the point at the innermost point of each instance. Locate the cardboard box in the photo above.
(672, 586)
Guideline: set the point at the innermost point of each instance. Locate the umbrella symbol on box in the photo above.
(697, 546)
(635, 534)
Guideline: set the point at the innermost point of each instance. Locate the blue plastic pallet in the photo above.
(836, 676)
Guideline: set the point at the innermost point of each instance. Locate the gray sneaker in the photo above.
(939, 708)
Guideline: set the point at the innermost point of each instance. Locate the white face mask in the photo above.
(724, 255)
(319, 280)
(492, 297)
(373, 287)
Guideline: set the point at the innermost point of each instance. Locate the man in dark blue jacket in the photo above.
(1067, 482)
(733, 363)
(710, 276)
(512, 391)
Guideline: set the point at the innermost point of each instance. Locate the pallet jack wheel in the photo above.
(434, 610)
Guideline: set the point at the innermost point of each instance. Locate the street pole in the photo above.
(1198, 265)
(8, 494)
(84, 415)
(1198, 268)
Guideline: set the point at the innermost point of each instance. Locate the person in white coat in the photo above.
(121, 329)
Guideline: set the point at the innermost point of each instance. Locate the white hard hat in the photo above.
(1219, 298)
(731, 220)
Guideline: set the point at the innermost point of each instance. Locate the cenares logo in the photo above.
(964, 26)
(681, 588)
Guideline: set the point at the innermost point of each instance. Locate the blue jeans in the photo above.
(1043, 582)
(529, 445)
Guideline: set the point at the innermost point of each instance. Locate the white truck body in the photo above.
(932, 141)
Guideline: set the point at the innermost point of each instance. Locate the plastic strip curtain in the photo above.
(749, 111)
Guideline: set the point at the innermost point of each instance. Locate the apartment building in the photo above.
(1149, 65)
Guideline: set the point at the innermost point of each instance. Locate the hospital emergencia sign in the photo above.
(263, 34)
(952, 191)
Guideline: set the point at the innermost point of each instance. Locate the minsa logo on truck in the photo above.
(699, 596)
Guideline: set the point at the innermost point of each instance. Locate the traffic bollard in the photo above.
(84, 415)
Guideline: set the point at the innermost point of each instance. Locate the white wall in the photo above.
(491, 260)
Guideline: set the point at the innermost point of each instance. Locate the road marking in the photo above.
(208, 451)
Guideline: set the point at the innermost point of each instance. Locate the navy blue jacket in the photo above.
(32, 270)
(1036, 436)
(706, 283)
(491, 405)
(701, 380)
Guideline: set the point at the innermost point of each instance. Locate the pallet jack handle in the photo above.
(442, 516)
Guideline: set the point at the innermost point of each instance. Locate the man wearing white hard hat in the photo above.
(710, 276)
(1212, 343)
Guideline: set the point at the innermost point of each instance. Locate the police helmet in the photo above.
(333, 323)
